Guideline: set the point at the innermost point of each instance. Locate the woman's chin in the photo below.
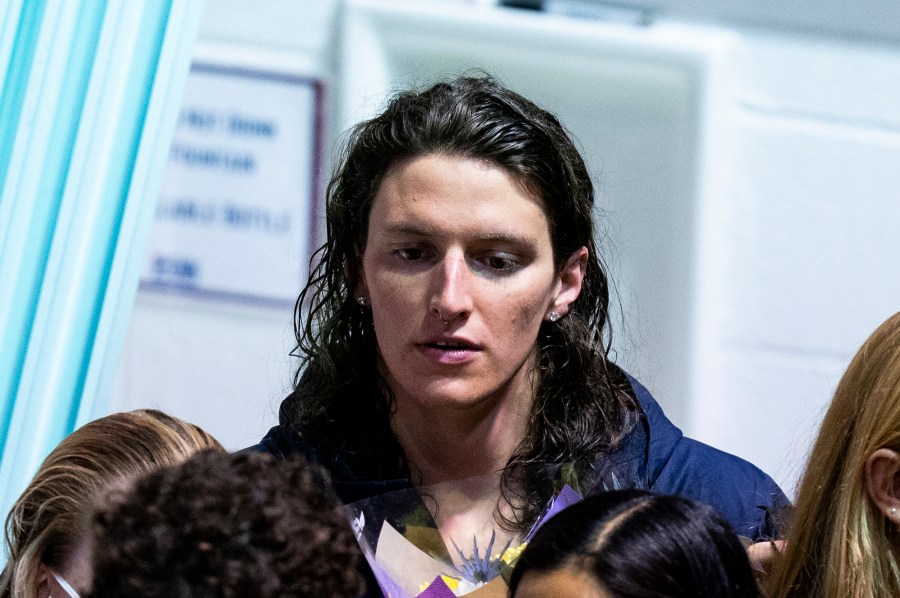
(450, 396)
(441, 396)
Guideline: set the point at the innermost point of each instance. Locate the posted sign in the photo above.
(234, 215)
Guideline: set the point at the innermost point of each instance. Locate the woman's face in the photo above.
(565, 582)
(459, 270)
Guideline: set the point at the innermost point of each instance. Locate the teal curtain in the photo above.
(90, 97)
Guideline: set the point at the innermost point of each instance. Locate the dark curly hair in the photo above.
(341, 405)
(641, 545)
(223, 526)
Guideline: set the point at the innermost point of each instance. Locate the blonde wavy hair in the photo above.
(51, 515)
(840, 545)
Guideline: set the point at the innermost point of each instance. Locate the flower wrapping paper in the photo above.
(417, 564)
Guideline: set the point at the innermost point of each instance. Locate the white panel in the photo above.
(771, 409)
(828, 80)
(809, 233)
(862, 19)
(814, 265)
(302, 26)
(223, 367)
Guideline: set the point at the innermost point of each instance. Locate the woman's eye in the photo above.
(500, 263)
(410, 254)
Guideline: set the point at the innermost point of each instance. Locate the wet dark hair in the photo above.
(639, 545)
(582, 406)
(226, 525)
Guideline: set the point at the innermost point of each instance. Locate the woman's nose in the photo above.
(451, 298)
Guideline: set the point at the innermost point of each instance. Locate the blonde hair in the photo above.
(50, 516)
(839, 544)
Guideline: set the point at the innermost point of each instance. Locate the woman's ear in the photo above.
(43, 581)
(883, 482)
(361, 288)
(568, 285)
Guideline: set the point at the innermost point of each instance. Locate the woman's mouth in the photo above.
(449, 345)
(449, 352)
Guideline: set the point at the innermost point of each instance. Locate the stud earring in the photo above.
(553, 317)
(363, 301)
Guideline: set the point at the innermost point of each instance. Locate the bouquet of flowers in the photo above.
(412, 553)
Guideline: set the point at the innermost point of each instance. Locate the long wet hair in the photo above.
(635, 544)
(342, 406)
(840, 544)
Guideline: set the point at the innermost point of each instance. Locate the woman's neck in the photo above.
(456, 443)
(456, 458)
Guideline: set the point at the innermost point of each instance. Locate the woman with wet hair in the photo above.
(455, 327)
(47, 537)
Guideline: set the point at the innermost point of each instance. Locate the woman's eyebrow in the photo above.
(410, 230)
(406, 229)
(424, 231)
(504, 237)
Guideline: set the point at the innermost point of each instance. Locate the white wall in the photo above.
(768, 277)
(810, 239)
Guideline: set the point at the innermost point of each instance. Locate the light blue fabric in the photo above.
(90, 97)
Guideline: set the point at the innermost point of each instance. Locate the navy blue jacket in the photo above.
(655, 454)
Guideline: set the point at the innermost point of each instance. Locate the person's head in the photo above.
(226, 525)
(634, 544)
(461, 263)
(478, 119)
(46, 530)
(843, 538)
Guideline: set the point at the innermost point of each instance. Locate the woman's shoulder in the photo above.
(748, 497)
(282, 442)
